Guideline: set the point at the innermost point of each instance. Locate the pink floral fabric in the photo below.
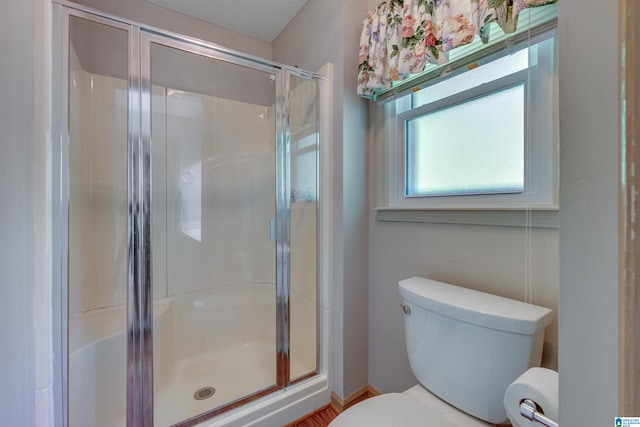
(401, 37)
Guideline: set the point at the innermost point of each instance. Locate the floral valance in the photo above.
(401, 37)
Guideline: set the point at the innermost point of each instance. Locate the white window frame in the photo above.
(515, 79)
(541, 143)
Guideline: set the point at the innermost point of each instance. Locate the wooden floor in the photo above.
(320, 418)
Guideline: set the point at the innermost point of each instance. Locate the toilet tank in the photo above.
(467, 346)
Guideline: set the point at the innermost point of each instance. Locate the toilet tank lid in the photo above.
(476, 307)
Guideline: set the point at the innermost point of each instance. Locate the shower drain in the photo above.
(204, 393)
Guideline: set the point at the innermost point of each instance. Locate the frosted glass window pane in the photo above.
(476, 147)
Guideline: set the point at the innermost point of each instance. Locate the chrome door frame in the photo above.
(282, 229)
(139, 271)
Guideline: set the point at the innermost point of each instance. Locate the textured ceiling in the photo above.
(261, 19)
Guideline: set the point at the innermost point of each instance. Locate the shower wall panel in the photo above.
(214, 174)
(219, 190)
(97, 221)
(234, 133)
(98, 192)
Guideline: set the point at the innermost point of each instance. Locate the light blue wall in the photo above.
(589, 141)
(17, 245)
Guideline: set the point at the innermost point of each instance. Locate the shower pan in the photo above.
(189, 215)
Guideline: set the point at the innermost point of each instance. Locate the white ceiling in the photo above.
(261, 19)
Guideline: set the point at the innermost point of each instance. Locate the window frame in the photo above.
(515, 79)
(541, 147)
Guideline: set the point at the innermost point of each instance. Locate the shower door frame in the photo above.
(140, 400)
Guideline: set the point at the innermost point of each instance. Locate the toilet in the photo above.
(465, 348)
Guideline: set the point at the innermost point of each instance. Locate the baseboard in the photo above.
(356, 397)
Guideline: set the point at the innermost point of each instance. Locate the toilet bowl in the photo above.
(465, 348)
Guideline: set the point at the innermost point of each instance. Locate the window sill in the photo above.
(498, 218)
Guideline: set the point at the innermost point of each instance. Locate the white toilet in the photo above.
(465, 348)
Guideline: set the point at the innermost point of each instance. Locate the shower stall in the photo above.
(186, 185)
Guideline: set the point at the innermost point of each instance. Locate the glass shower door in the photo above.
(97, 118)
(213, 174)
(303, 178)
(188, 207)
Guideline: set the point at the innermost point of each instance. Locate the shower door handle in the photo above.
(272, 229)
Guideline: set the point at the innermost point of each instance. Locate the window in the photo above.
(482, 139)
(455, 149)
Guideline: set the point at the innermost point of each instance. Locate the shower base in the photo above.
(192, 350)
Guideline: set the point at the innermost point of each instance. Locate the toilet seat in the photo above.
(416, 407)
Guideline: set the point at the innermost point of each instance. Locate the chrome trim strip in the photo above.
(94, 17)
(61, 205)
(210, 51)
(135, 414)
(319, 208)
(228, 407)
(191, 40)
(283, 231)
(60, 208)
(144, 72)
(304, 377)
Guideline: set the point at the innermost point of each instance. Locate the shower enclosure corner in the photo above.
(188, 204)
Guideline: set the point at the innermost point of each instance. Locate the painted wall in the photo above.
(328, 31)
(489, 259)
(17, 400)
(25, 307)
(493, 259)
(579, 263)
(590, 171)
